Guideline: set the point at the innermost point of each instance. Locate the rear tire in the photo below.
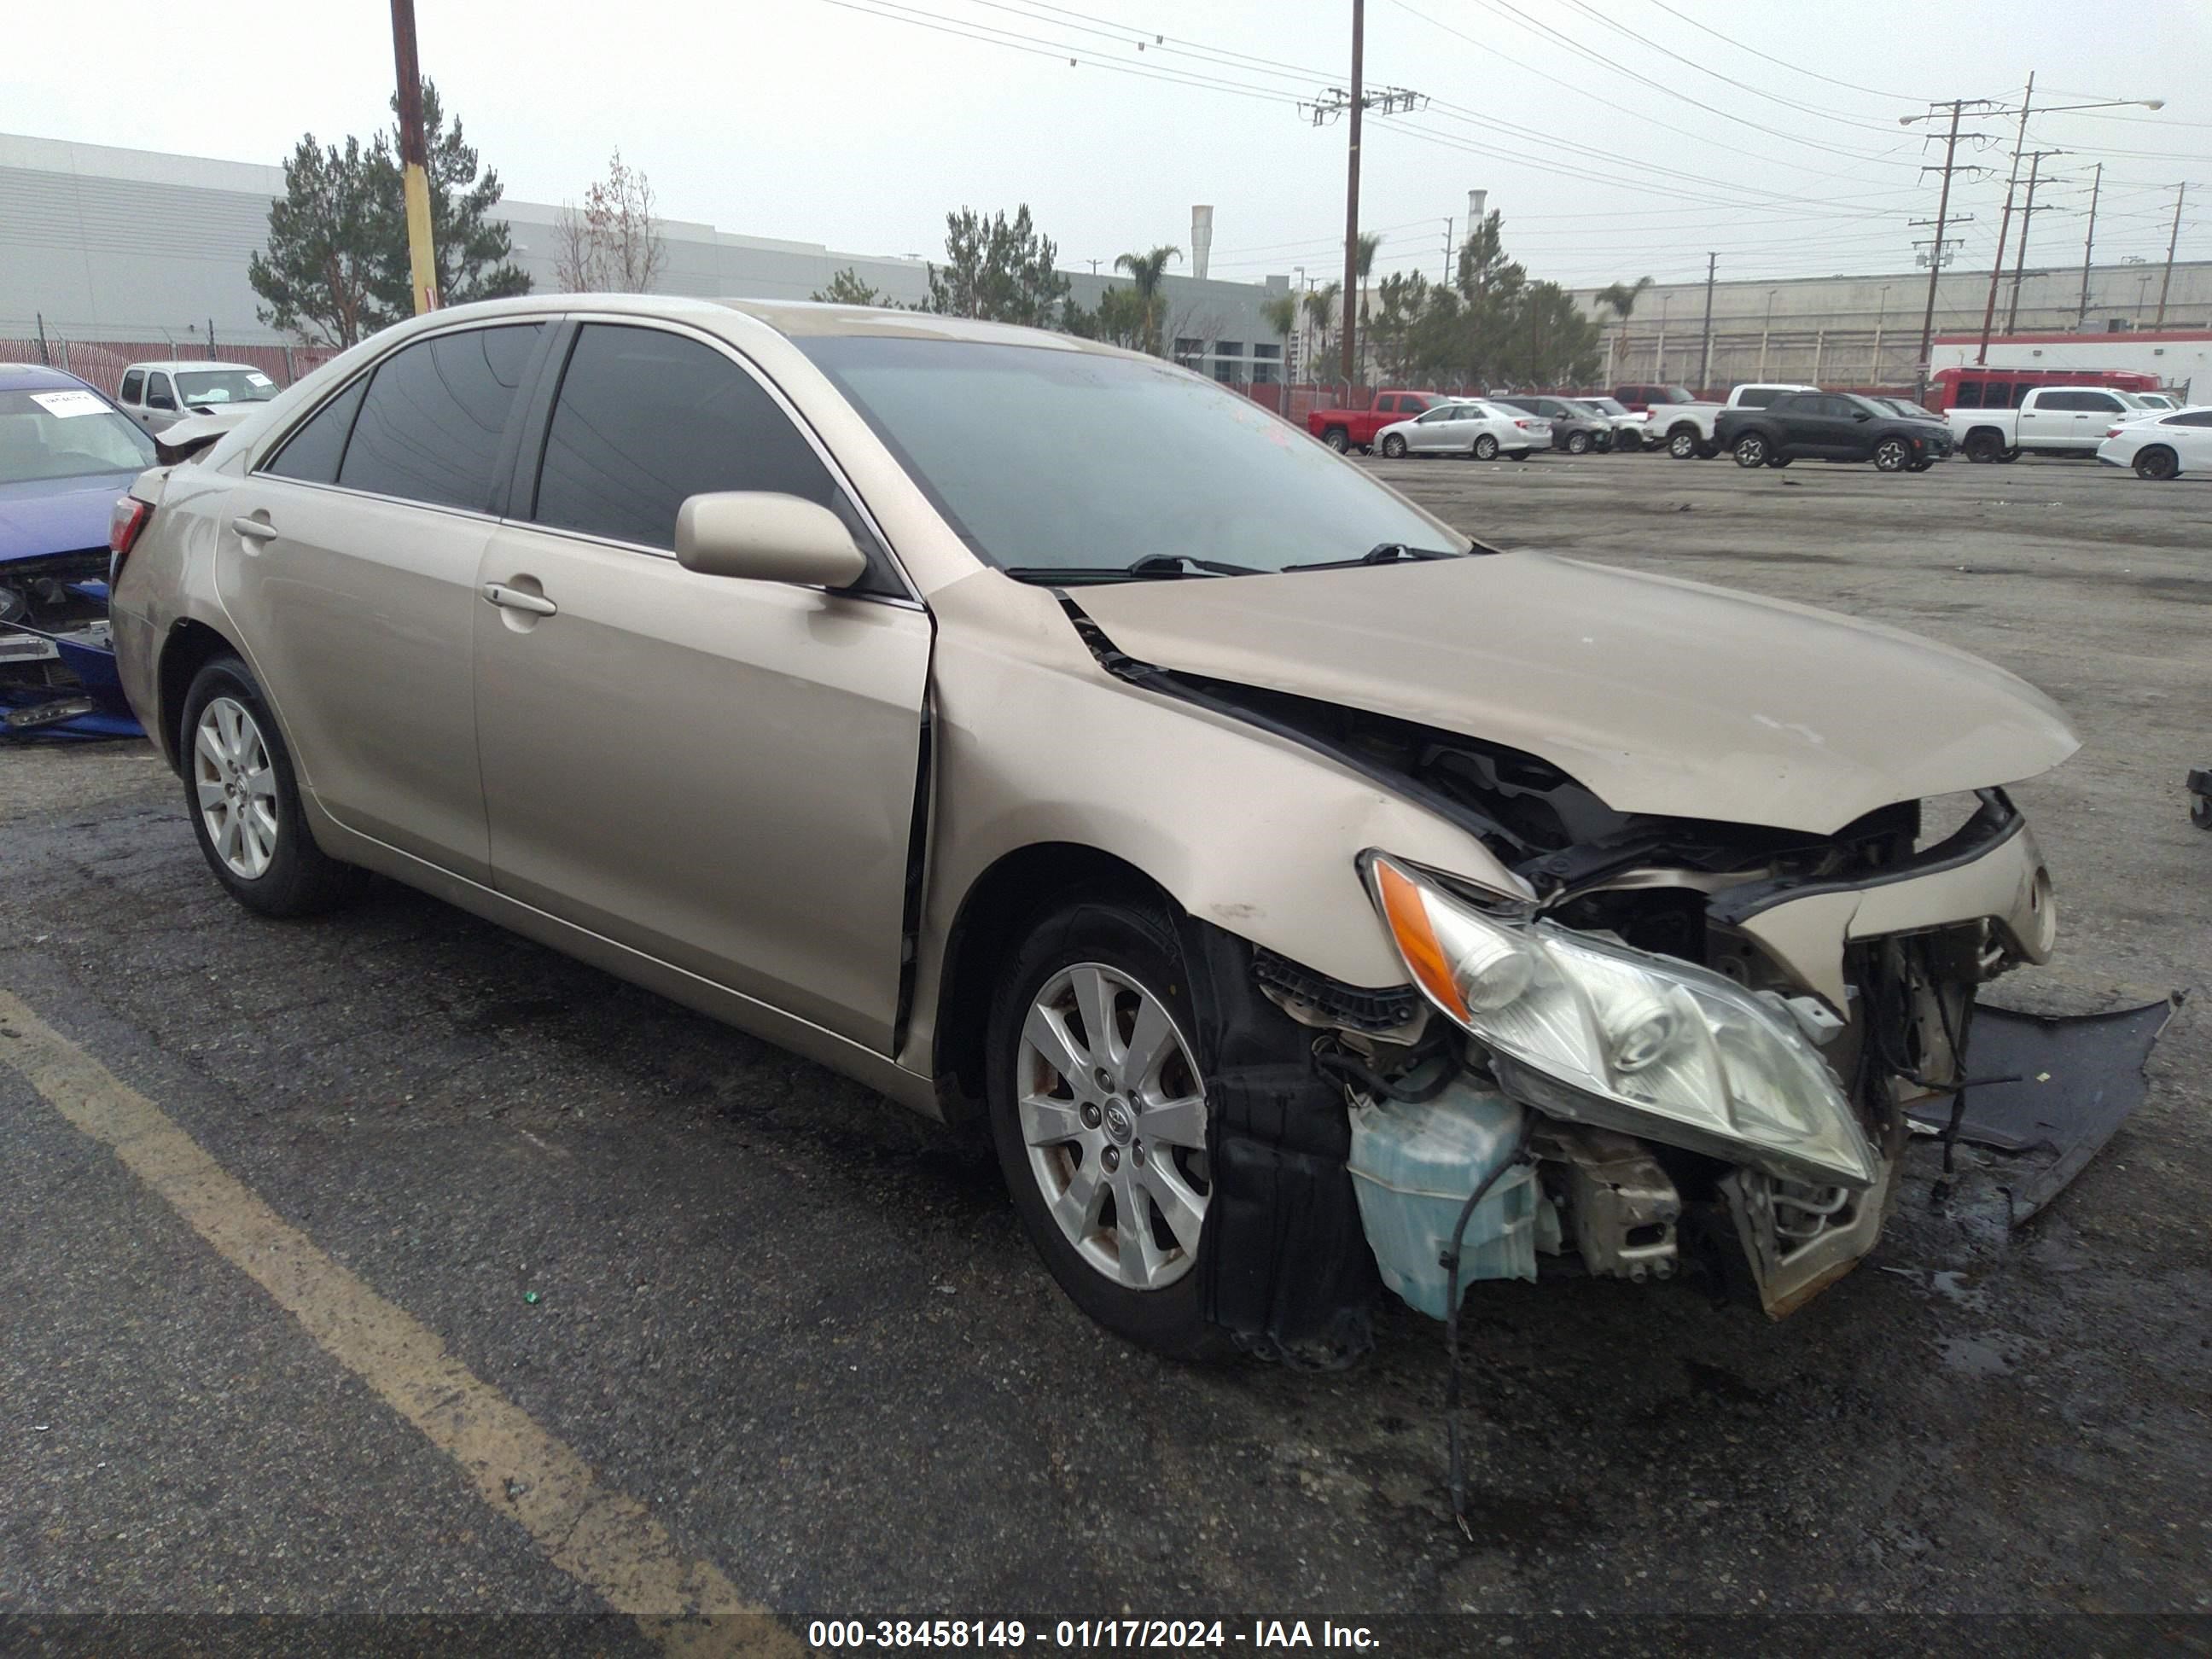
(1983, 448)
(1579, 443)
(243, 799)
(2158, 463)
(1337, 438)
(1394, 446)
(1485, 447)
(1683, 443)
(1069, 1130)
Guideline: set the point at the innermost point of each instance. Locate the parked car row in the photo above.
(1516, 423)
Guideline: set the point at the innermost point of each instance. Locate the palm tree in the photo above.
(1621, 300)
(1282, 315)
(1145, 270)
(1363, 263)
(1320, 317)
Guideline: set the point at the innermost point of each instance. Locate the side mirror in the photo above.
(1861, 415)
(767, 538)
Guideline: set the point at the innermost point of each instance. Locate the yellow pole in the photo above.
(414, 159)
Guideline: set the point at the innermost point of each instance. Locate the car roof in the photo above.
(172, 364)
(37, 377)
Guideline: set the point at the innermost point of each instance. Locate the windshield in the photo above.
(1605, 406)
(1055, 460)
(224, 386)
(1906, 406)
(66, 433)
(1672, 394)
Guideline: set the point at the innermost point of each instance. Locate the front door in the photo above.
(718, 772)
(350, 560)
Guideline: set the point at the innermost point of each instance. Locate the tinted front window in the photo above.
(1041, 457)
(134, 387)
(646, 418)
(312, 453)
(430, 428)
(66, 432)
(158, 395)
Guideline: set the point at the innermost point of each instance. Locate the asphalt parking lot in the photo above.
(797, 1333)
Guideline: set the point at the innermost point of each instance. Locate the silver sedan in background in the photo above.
(1470, 427)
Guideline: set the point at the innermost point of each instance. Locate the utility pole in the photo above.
(1957, 107)
(1332, 103)
(2004, 222)
(1352, 194)
(2089, 244)
(2026, 223)
(415, 158)
(1705, 357)
(2172, 243)
(1448, 223)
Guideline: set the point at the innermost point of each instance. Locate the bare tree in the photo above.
(575, 259)
(614, 243)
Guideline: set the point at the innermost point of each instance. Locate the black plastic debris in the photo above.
(2073, 1082)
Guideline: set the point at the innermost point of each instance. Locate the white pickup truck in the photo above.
(2051, 420)
(1685, 430)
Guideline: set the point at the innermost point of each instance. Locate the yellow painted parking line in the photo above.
(604, 1538)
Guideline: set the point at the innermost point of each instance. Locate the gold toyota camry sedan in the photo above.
(1310, 900)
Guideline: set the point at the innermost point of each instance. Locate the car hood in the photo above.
(1659, 696)
(58, 515)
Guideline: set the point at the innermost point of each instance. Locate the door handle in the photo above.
(255, 529)
(513, 598)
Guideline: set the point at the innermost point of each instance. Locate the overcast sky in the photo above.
(1619, 137)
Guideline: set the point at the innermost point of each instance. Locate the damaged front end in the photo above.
(1694, 1043)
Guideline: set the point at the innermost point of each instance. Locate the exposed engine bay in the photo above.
(1612, 1187)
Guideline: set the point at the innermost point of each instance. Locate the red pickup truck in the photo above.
(1355, 429)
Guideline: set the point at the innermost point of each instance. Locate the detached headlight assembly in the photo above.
(1597, 1032)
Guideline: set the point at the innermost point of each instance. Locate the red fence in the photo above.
(102, 362)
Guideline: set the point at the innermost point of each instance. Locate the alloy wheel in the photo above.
(1683, 446)
(1893, 455)
(1751, 451)
(236, 787)
(1113, 1115)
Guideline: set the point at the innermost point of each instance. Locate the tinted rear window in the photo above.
(430, 428)
(312, 453)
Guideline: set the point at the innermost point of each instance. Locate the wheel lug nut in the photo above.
(1091, 1116)
(1137, 1154)
(1112, 1158)
(1104, 1078)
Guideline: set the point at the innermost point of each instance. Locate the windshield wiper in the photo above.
(1381, 553)
(1153, 566)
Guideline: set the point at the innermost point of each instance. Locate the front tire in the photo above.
(1751, 450)
(1394, 448)
(1485, 447)
(1098, 1113)
(2157, 463)
(242, 796)
(1892, 455)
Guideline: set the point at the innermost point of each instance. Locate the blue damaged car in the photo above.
(67, 454)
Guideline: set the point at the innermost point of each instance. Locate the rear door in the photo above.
(719, 773)
(349, 561)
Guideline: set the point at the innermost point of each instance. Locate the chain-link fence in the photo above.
(103, 360)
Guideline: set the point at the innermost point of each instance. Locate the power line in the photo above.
(1845, 116)
(1795, 69)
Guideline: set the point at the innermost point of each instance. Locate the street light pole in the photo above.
(1350, 327)
(415, 158)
